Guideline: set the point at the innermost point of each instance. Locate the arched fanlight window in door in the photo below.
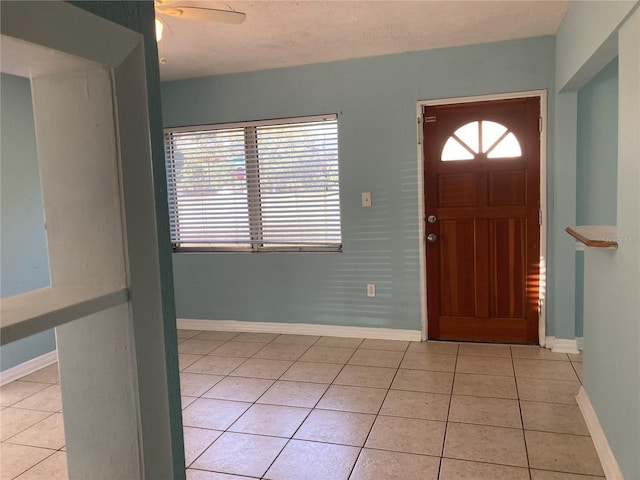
(489, 138)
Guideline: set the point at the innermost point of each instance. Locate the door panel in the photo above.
(456, 190)
(457, 282)
(507, 188)
(482, 188)
(507, 271)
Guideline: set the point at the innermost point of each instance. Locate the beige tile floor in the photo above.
(289, 407)
(31, 428)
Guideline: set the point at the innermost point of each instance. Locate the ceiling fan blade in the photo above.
(204, 14)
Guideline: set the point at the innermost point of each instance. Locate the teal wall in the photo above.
(589, 38)
(587, 41)
(612, 281)
(23, 245)
(579, 293)
(561, 210)
(375, 99)
(596, 172)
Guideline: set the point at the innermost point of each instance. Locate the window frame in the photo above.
(481, 152)
(254, 204)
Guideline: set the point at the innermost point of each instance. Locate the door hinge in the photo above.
(539, 217)
(430, 119)
(539, 124)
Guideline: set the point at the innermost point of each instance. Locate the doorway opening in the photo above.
(482, 193)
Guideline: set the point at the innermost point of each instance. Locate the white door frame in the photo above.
(542, 95)
(90, 105)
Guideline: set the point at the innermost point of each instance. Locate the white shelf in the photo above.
(37, 311)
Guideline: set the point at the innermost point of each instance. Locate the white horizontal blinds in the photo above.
(207, 188)
(299, 185)
(260, 185)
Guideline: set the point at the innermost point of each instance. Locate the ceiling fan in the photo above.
(203, 14)
(188, 12)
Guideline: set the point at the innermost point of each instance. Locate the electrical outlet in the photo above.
(366, 199)
(371, 290)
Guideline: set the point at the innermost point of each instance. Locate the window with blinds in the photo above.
(255, 186)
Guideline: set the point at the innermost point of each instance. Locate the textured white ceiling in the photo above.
(285, 33)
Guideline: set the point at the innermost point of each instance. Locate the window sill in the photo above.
(253, 252)
(271, 249)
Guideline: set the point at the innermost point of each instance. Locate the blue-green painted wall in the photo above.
(596, 172)
(375, 99)
(598, 149)
(23, 245)
(587, 41)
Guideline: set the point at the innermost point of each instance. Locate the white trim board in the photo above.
(299, 329)
(30, 366)
(562, 345)
(605, 454)
(542, 94)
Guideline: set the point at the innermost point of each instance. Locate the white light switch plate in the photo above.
(366, 199)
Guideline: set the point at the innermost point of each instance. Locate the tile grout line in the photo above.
(226, 430)
(379, 410)
(53, 452)
(13, 405)
(8, 440)
(255, 402)
(446, 425)
(310, 410)
(315, 406)
(579, 377)
(201, 396)
(524, 437)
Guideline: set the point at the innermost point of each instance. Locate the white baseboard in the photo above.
(609, 464)
(562, 345)
(579, 343)
(300, 329)
(30, 366)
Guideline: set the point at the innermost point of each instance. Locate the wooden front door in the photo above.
(482, 207)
